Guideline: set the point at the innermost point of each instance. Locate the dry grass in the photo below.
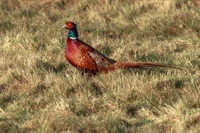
(41, 92)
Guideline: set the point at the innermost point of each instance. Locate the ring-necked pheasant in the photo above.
(87, 59)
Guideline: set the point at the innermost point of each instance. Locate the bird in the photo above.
(87, 59)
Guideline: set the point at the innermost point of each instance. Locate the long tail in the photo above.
(124, 65)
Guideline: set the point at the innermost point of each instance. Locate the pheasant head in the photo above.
(73, 33)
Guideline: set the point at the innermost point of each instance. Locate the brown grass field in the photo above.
(41, 92)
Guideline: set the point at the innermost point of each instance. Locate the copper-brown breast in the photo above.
(77, 54)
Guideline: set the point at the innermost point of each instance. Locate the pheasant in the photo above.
(86, 58)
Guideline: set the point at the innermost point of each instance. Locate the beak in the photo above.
(64, 26)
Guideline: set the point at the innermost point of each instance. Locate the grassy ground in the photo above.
(41, 92)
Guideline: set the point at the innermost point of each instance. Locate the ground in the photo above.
(41, 92)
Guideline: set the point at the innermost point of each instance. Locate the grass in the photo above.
(41, 92)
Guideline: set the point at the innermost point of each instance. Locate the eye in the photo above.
(69, 25)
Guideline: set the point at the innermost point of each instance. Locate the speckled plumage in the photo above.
(84, 57)
(87, 59)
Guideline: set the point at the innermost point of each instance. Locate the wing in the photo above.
(89, 59)
(99, 59)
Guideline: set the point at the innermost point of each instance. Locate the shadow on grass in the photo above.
(6, 26)
(118, 126)
(8, 125)
(96, 89)
(196, 63)
(7, 98)
(164, 92)
(167, 91)
(49, 67)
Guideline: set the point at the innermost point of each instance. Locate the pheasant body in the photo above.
(87, 59)
(84, 57)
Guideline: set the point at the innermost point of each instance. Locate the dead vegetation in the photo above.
(41, 92)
